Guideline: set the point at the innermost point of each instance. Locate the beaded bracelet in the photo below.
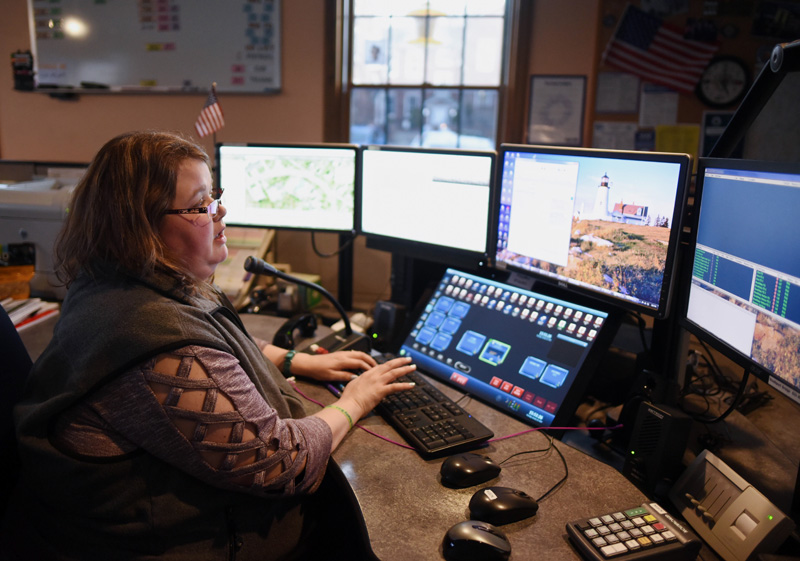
(345, 413)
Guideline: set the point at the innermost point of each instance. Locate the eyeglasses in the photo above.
(211, 209)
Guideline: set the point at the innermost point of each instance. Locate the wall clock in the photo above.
(724, 81)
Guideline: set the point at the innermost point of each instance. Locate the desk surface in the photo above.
(407, 511)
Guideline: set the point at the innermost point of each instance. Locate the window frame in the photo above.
(511, 92)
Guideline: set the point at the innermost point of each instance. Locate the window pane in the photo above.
(447, 7)
(405, 116)
(478, 119)
(445, 50)
(440, 119)
(484, 51)
(382, 7)
(367, 115)
(407, 57)
(371, 50)
(486, 7)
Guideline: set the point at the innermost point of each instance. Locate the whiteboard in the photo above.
(157, 45)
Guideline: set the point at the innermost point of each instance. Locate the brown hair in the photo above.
(118, 204)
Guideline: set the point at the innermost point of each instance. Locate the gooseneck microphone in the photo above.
(260, 267)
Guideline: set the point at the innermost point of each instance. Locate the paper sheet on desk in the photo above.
(230, 275)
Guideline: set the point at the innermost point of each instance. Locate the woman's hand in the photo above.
(366, 390)
(362, 394)
(339, 366)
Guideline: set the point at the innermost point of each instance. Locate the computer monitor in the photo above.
(528, 354)
(743, 275)
(427, 203)
(603, 222)
(289, 186)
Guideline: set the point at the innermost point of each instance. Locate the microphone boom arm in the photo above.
(261, 267)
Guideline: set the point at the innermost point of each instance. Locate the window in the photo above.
(426, 72)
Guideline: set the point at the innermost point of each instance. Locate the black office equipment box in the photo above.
(655, 452)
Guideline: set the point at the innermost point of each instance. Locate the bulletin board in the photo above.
(157, 45)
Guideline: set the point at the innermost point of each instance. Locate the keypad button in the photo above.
(613, 550)
(657, 539)
(599, 542)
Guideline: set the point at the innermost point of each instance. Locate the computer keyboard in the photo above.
(646, 533)
(428, 420)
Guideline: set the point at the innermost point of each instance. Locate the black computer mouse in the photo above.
(466, 470)
(474, 540)
(502, 505)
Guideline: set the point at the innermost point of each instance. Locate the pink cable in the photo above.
(368, 431)
(389, 440)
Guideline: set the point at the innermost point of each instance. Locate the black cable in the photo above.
(642, 328)
(560, 481)
(550, 445)
(335, 253)
(527, 452)
(734, 404)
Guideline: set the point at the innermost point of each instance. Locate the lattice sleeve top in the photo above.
(196, 409)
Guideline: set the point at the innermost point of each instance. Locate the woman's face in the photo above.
(198, 240)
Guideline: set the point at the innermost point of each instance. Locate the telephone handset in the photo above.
(284, 337)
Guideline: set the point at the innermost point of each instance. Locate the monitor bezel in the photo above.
(353, 230)
(668, 286)
(731, 353)
(565, 416)
(450, 256)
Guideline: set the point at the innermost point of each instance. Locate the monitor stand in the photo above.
(345, 292)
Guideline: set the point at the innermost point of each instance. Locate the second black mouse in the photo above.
(474, 540)
(502, 505)
(468, 469)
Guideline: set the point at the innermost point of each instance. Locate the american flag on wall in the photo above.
(657, 52)
(211, 118)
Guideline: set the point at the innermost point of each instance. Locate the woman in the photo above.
(154, 426)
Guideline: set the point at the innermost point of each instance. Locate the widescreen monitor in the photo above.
(743, 280)
(427, 203)
(300, 187)
(602, 222)
(528, 354)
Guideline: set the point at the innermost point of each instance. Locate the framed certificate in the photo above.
(556, 110)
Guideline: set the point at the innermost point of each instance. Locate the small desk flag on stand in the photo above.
(211, 118)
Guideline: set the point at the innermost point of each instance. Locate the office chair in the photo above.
(16, 365)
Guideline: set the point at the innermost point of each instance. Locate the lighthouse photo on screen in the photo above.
(600, 223)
